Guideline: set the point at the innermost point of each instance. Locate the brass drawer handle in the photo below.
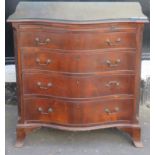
(39, 84)
(48, 61)
(115, 64)
(40, 109)
(115, 43)
(112, 83)
(38, 42)
(107, 110)
(117, 109)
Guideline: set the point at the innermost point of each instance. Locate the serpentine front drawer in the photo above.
(78, 61)
(74, 86)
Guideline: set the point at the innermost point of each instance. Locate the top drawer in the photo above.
(78, 39)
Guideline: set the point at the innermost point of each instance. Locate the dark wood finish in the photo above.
(21, 133)
(75, 86)
(106, 27)
(81, 113)
(78, 75)
(77, 40)
(78, 61)
(135, 133)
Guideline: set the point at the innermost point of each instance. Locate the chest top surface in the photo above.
(78, 12)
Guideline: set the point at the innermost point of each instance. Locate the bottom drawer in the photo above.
(77, 112)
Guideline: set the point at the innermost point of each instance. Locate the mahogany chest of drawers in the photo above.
(78, 66)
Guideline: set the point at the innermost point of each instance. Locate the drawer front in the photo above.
(46, 110)
(77, 112)
(108, 111)
(77, 40)
(77, 86)
(102, 27)
(43, 59)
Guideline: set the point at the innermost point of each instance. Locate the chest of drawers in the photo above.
(78, 66)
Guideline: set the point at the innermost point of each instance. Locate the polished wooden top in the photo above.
(78, 12)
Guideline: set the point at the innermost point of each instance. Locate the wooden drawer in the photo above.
(92, 61)
(107, 111)
(77, 112)
(74, 86)
(46, 110)
(77, 40)
(102, 27)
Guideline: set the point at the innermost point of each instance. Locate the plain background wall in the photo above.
(10, 6)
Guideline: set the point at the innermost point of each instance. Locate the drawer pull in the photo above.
(42, 112)
(109, 112)
(38, 42)
(48, 61)
(39, 84)
(117, 109)
(112, 83)
(115, 43)
(110, 64)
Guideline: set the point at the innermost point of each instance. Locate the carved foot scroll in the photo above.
(21, 133)
(135, 133)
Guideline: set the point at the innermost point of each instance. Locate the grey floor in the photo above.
(55, 142)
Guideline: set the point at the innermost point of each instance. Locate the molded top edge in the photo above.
(78, 12)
